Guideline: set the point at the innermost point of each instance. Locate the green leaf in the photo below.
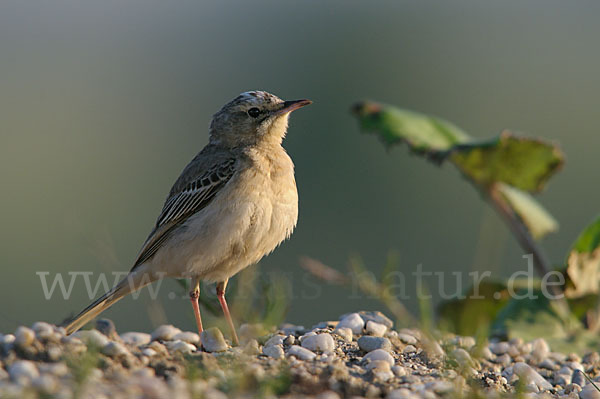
(536, 218)
(529, 319)
(421, 132)
(589, 239)
(525, 163)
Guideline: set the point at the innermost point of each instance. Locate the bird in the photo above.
(234, 203)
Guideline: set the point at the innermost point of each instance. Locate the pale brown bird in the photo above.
(234, 203)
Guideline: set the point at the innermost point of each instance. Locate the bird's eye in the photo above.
(254, 112)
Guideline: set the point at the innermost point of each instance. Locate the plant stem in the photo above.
(519, 229)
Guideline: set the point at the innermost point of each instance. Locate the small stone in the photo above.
(252, 348)
(375, 329)
(344, 332)
(328, 395)
(572, 388)
(3, 375)
(115, 349)
(409, 349)
(548, 364)
(301, 353)
(487, 354)
(275, 340)
(353, 321)
(289, 340)
(42, 330)
(187, 336)
(379, 355)
(399, 371)
(92, 338)
(180, 346)
(56, 369)
(401, 393)
(575, 366)
(149, 352)
(377, 317)
(274, 351)
(166, 332)
(407, 339)
(107, 327)
(7, 342)
(499, 348)
(136, 338)
(464, 360)
(527, 373)
(46, 384)
(319, 343)
(54, 352)
(513, 351)
(368, 343)
(589, 392)
(467, 342)
(213, 341)
(23, 372)
(578, 378)
(442, 387)
(540, 349)
(503, 360)
(24, 337)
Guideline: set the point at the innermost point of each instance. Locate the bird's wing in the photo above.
(188, 196)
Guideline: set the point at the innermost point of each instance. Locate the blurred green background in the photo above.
(103, 103)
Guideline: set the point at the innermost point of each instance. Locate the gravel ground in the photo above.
(358, 356)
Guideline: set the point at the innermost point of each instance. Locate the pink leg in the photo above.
(221, 295)
(194, 295)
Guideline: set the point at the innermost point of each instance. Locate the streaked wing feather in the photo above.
(194, 196)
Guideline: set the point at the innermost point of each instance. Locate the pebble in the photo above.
(499, 348)
(166, 332)
(377, 317)
(92, 338)
(503, 360)
(375, 329)
(399, 371)
(289, 340)
(578, 378)
(379, 355)
(540, 349)
(409, 349)
(275, 340)
(46, 384)
(136, 338)
(24, 337)
(180, 346)
(252, 348)
(328, 395)
(589, 392)
(301, 353)
(213, 341)
(525, 372)
(149, 352)
(548, 364)
(107, 327)
(187, 336)
(42, 330)
(274, 351)
(23, 372)
(401, 393)
(115, 349)
(319, 343)
(354, 322)
(407, 339)
(344, 332)
(368, 343)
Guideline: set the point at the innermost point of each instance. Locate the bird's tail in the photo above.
(133, 282)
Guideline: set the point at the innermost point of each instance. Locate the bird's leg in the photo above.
(194, 296)
(221, 295)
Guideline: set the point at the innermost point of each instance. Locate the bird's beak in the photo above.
(289, 106)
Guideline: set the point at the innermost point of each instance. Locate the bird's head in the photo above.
(251, 118)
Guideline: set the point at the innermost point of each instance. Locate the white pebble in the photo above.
(375, 329)
(45, 383)
(344, 332)
(187, 336)
(319, 343)
(166, 332)
(213, 341)
(42, 329)
(407, 339)
(402, 393)
(92, 337)
(379, 354)
(275, 340)
(136, 338)
(399, 371)
(149, 352)
(499, 348)
(24, 336)
(409, 349)
(354, 322)
(301, 353)
(23, 371)
(274, 351)
(56, 369)
(180, 346)
(540, 348)
(530, 375)
(115, 349)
